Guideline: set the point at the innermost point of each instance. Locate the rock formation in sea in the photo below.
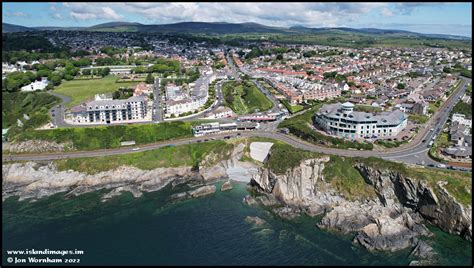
(391, 221)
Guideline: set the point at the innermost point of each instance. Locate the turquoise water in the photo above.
(205, 231)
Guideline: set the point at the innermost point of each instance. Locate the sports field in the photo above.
(82, 90)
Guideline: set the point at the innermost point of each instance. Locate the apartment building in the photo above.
(105, 110)
(341, 120)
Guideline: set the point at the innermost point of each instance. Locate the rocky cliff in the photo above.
(392, 221)
(34, 180)
(440, 208)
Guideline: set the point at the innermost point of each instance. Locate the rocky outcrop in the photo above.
(231, 167)
(255, 221)
(226, 186)
(119, 190)
(37, 146)
(202, 191)
(296, 186)
(440, 208)
(32, 180)
(391, 222)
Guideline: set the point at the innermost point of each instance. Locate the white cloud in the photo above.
(17, 14)
(86, 11)
(276, 14)
(57, 16)
(387, 12)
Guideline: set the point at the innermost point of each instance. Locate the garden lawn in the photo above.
(292, 108)
(82, 90)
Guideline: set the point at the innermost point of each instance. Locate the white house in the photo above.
(37, 85)
(462, 120)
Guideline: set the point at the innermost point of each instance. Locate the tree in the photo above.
(105, 71)
(149, 79)
(329, 75)
(279, 57)
(401, 86)
(55, 79)
(86, 72)
(340, 78)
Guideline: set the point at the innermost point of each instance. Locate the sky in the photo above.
(436, 18)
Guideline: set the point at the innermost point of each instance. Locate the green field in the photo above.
(171, 156)
(82, 90)
(245, 98)
(463, 108)
(93, 138)
(418, 118)
(292, 108)
(34, 104)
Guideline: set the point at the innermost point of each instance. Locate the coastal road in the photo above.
(414, 152)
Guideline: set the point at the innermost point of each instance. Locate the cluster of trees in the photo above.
(334, 75)
(55, 71)
(98, 71)
(160, 66)
(149, 79)
(257, 52)
(312, 53)
(110, 61)
(218, 65)
(401, 86)
(123, 93)
(111, 51)
(22, 47)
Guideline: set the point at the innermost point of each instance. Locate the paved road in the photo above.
(271, 97)
(57, 111)
(414, 152)
(157, 109)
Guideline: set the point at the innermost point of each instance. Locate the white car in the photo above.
(136, 149)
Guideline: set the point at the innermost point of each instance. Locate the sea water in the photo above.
(209, 230)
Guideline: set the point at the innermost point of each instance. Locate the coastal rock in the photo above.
(32, 180)
(440, 208)
(287, 212)
(231, 167)
(296, 186)
(202, 191)
(391, 234)
(213, 173)
(179, 196)
(423, 250)
(36, 146)
(255, 220)
(267, 200)
(346, 218)
(249, 200)
(226, 186)
(119, 190)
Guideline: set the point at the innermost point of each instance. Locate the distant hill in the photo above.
(9, 28)
(219, 28)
